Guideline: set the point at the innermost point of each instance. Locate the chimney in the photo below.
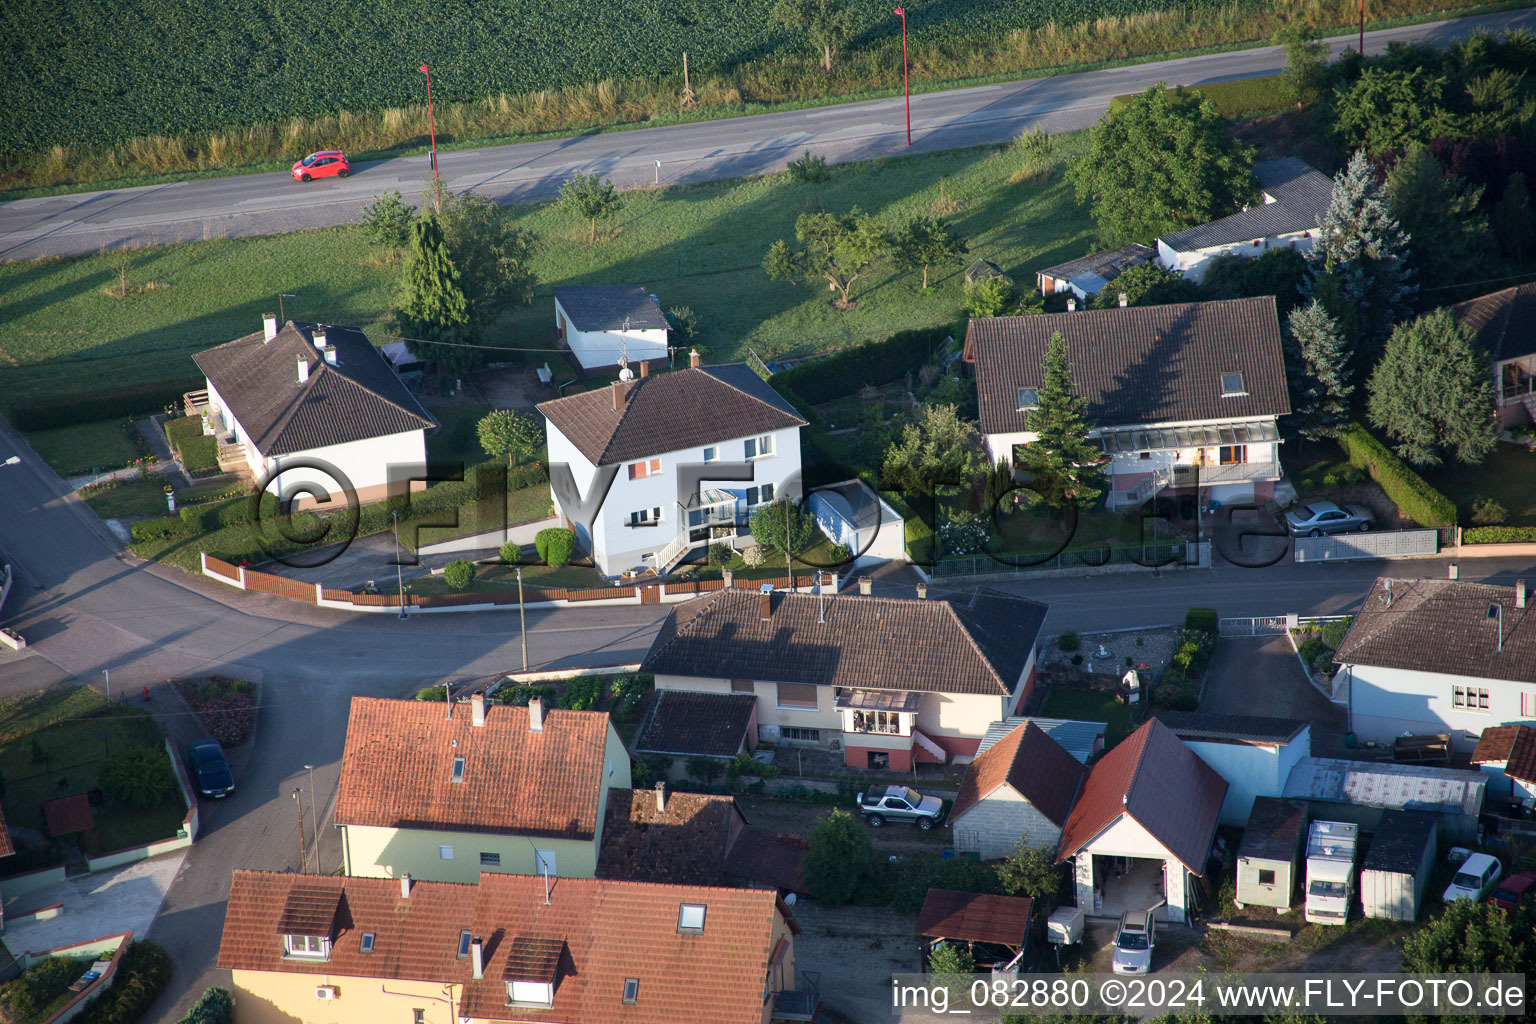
(661, 797)
(693, 358)
(1124, 298)
(645, 367)
(1453, 571)
(330, 354)
(1071, 305)
(536, 715)
(1519, 593)
(728, 577)
(268, 327)
(617, 391)
(477, 957)
(765, 601)
(303, 369)
(922, 591)
(405, 887)
(477, 710)
(866, 586)
(318, 337)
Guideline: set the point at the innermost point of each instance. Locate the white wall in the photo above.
(602, 348)
(1388, 702)
(366, 463)
(1194, 264)
(999, 820)
(1251, 770)
(1126, 838)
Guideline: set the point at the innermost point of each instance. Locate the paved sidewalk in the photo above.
(102, 903)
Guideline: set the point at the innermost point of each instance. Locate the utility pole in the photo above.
(789, 559)
(522, 620)
(399, 577)
(280, 297)
(687, 89)
(314, 821)
(906, 85)
(106, 674)
(298, 806)
(1362, 28)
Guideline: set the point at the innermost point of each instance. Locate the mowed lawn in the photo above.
(699, 246)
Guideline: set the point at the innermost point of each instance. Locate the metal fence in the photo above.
(1344, 547)
(1170, 556)
(1270, 625)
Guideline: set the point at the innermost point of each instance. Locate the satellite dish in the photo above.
(789, 900)
(626, 374)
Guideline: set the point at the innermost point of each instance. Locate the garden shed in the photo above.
(1268, 857)
(1398, 864)
(851, 514)
(1363, 791)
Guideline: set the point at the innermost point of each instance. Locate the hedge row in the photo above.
(1409, 491)
(198, 451)
(102, 405)
(1499, 535)
(879, 362)
(142, 975)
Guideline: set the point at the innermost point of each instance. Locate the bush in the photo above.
(582, 693)
(755, 556)
(215, 1006)
(1174, 698)
(142, 975)
(1487, 512)
(705, 769)
(1332, 634)
(519, 696)
(555, 545)
(841, 862)
(511, 553)
(1202, 619)
(459, 573)
(1077, 659)
(721, 553)
(880, 362)
(432, 693)
(1409, 491)
(139, 777)
(1499, 535)
(42, 983)
(840, 554)
(1068, 641)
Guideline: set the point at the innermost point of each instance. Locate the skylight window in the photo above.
(366, 946)
(690, 918)
(464, 937)
(458, 769)
(1029, 398)
(631, 991)
(1232, 385)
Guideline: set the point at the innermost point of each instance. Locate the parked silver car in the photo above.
(901, 803)
(1134, 940)
(1316, 518)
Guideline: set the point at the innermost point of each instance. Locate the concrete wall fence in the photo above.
(546, 597)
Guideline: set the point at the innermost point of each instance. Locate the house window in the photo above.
(490, 860)
(544, 862)
(1029, 398)
(418, 1015)
(760, 495)
(366, 946)
(1266, 877)
(690, 918)
(646, 517)
(1470, 698)
(797, 695)
(1232, 385)
(712, 454)
(742, 686)
(799, 735)
(464, 937)
(631, 991)
(644, 468)
(531, 993)
(314, 947)
(445, 852)
(1528, 704)
(1144, 455)
(1234, 454)
(759, 447)
(458, 769)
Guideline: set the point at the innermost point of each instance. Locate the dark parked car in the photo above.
(214, 778)
(1316, 518)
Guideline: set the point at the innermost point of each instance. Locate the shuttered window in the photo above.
(797, 695)
(742, 686)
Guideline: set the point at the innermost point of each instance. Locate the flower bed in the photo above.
(226, 707)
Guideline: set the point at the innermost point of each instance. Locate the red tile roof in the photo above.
(66, 815)
(1515, 745)
(685, 843)
(974, 917)
(397, 769)
(1442, 626)
(1161, 784)
(1037, 768)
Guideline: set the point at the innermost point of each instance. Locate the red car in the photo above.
(1513, 891)
(329, 163)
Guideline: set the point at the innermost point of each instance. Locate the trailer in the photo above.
(1397, 865)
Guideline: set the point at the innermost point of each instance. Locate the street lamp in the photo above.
(14, 460)
(431, 126)
(906, 87)
(313, 820)
(399, 578)
(1362, 28)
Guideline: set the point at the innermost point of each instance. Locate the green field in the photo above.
(698, 246)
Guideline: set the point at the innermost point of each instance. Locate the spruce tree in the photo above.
(1318, 365)
(432, 303)
(1064, 464)
(1432, 393)
(1361, 259)
(1451, 238)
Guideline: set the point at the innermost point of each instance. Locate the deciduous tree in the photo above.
(1512, 218)
(433, 313)
(1064, 465)
(1319, 368)
(840, 860)
(1147, 284)
(924, 241)
(1387, 108)
(782, 525)
(1279, 272)
(387, 222)
(591, 198)
(1432, 393)
(1031, 871)
(493, 255)
(1306, 60)
(826, 24)
(1451, 238)
(515, 435)
(839, 248)
(938, 449)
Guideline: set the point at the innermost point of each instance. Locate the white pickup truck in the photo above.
(901, 803)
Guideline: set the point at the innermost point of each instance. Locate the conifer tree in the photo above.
(432, 303)
(1360, 259)
(1063, 462)
(1318, 365)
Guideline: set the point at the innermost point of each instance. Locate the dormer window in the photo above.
(307, 947)
(1232, 385)
(690, 918)
(533, 970)
(458, 769)
(308, 920)
(1029, 398)
(531, 993)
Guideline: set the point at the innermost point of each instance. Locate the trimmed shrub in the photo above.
(1499, 535)
(215, 1006)
(582, 693)
(432, 693)
(519, 696)
(1068, 641)
(1409, 491)
(1202, 619)
(139, 777)
(841, 554)
(511, 553)
(142, 975)
(459, 573)
(555, 545)
(755, 556)
(721, 553)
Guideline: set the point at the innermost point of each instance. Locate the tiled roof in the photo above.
(1162, 784)
(66, 815)
(1399, 842)
(605, 307)
(1387, 785)
(969, 642)
(1504, 322)
(689, 723)
(1036, 766)
(1515, 745)
(1430, 625)
(759, 857)
(1195, 726)
(530, 959)
(670, 412)
(1275, 828)
(1139, 364)
(974, 917)
(615, 930)
(1106, 265)
(686, 843)
(310, 909)
(359, 397)
(396, 771)
(1300, 194)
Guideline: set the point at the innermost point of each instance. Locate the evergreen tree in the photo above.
(1360, 259)
(1432, 393)
(1064, 464)
(1451, 239)
(1512, 218)
(432, 304)
(1318, 365)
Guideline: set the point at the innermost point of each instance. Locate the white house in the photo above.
(1295, 196)
(1185, 397)
(1088, 275)
(1255, 755)
(1439, 656)
(645, 470)
(1141, 830)
(1020, 788)
(1507, 755)
(280, 399)
(602, 323)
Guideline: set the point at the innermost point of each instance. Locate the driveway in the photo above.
(853, 951)
(120, 899)
(1261, 676)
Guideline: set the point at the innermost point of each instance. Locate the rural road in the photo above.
(265, 204)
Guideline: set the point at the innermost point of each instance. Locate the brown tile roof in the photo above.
(1037, 767)
(966, 642)
(689, 723)
(66, 815)
(1162, 784)
(669, 412)
(684, 844)
(1443, 626)
(761, 858)
(974, 917)
(396, 771)
(1140, 364)
(359, 397)
(414, 939)
(1515, 745)
(310, 910)
(1504, 322)
(530, 959)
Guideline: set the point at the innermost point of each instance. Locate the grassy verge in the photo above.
(86, 447)
(138, 498)
(1091, 706)
(455, 439)
(1508, 476)
(40, 709)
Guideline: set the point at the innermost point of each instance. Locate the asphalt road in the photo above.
(263, 204)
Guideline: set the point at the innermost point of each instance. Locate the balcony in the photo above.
(1237, 472)
(710, 508)
(799, 1003)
